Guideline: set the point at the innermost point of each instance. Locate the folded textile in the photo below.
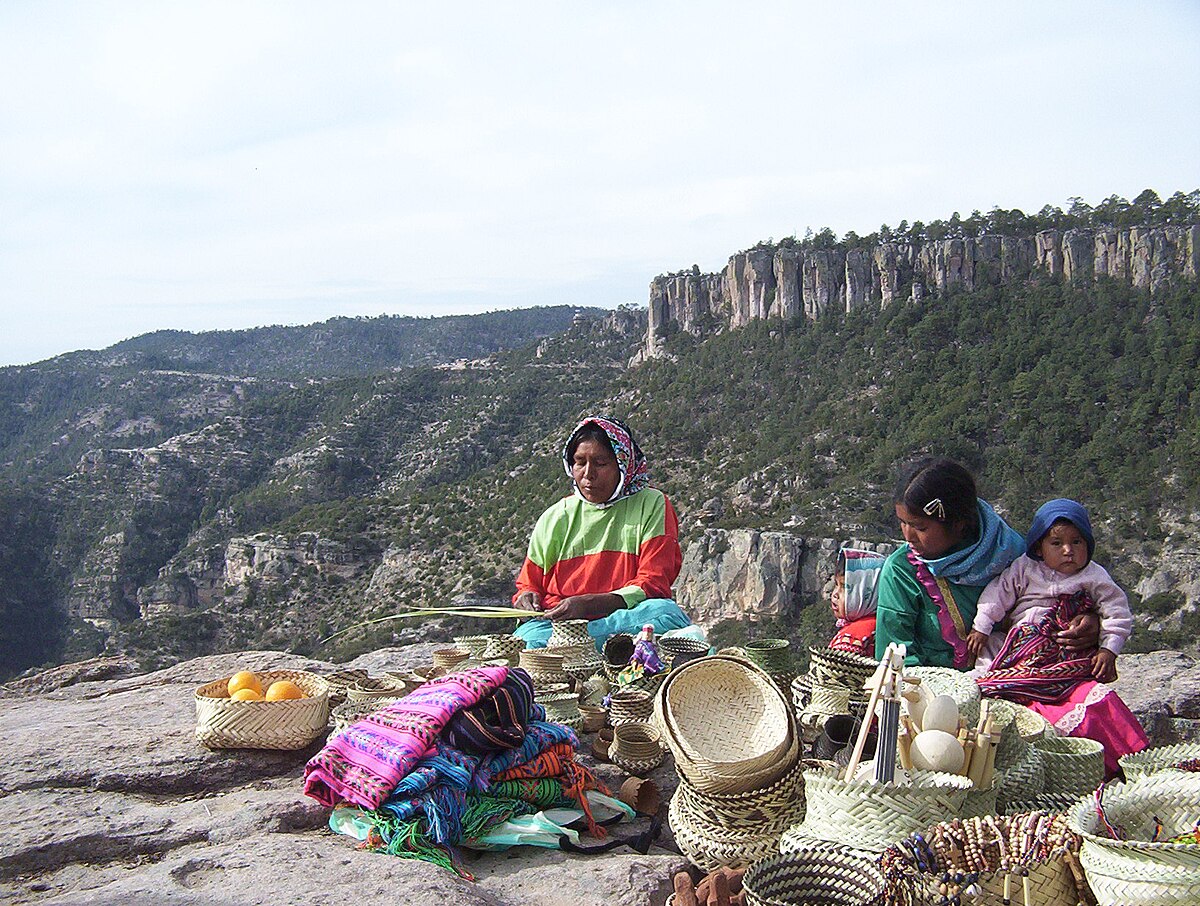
(496, 723)
(364, 763)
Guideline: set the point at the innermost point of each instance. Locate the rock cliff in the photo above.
(787, 282)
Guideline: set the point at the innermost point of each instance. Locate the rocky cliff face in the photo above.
(786, 282)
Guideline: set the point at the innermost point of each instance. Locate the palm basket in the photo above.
(1161, 758)
(508, 647)
(1135, 871)
(752, 744)
(778, 805)
(870, 816)
(823, 875)
(680, 649)
(340, 681)
(569, 633)
(709, 846)
(831, 667)
(1029, 854)
(630, 705)
(947, 681)
(1022, 783)
(222, 723)
(1073, 766)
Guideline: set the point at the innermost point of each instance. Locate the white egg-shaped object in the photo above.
(941, 714)
(937, 750)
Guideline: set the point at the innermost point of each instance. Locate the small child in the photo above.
(1041, 591)
(853, 599)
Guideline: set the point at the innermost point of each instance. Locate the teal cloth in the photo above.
(661, 613)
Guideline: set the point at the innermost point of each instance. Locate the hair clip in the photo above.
(935, 509)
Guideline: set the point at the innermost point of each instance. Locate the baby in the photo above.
(853, 600)
(1055, 579)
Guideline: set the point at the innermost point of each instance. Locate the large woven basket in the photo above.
(780, 804)
(756, 726)
(709, 846)
(1022, 783)
(824, 875)
(1134, 871)
(870, 816)
(1161, 758)
(987, 872)
(1073, 766)
(222, 723)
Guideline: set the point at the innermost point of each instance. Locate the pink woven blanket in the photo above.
(362, 764)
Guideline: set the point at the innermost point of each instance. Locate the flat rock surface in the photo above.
(109, 798)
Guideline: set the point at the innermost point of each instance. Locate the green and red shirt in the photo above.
(630, 548)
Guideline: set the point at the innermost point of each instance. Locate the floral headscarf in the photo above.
(635, 472)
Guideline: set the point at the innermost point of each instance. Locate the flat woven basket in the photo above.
(756, 727)
(222, 723)
(1161, 758)
(1049, 879)
(1073, 766)
(1134, 871)
(825, 875)
(870, 816)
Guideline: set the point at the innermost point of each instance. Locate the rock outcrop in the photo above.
(786, 282)
(109, 798)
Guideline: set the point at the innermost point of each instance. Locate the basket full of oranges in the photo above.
(276, 709)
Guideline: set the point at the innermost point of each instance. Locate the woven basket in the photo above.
(449, 658)
(1022, 783)
(839, 668)
(1073, 766)
(983, 802)
(569, 633)
(1149, 761)
(871, 816)
(771, 655)
(504, 646)
(474, 645)
(815, 876)
(593, 718)
(349, 713)
(826, 701)
(779, 805)
(756, 726)
(1050, 881)
(1134, 871)
(801, 692)
(673, 647)
(222, 723)
(377, 691)
(710, 847)
(340, 681)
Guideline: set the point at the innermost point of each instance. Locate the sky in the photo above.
(225, 165)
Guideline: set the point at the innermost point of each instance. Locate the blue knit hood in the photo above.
(1051, 511)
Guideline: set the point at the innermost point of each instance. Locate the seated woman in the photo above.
(853, 600)
(930, 587)
(609, 552)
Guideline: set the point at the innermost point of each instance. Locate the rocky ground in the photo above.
(108, 798)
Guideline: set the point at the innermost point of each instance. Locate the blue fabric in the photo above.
(997, 547)
(661, 613)
(862, 569)
(1049, 513)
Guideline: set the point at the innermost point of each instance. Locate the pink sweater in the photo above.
(1029, 588)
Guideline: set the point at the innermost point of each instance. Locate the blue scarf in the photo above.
(997, 547)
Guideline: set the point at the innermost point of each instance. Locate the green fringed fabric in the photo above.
(484, 812)
(542, 792)
(407, 840)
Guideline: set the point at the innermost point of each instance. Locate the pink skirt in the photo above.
(1093, 711)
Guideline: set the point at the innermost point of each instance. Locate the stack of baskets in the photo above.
(1073, 766)
(368, 695)
(571, 639)
(1135, 870)
(636, 747)
(222, 723)
(474, 645)
(736, 749)
(1020, 765)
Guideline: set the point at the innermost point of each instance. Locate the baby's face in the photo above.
(1064, 549)
(837, 597)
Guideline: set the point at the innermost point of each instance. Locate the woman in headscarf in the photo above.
(609, 552)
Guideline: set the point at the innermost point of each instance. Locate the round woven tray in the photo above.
(1149, 761)
(815, 876)
(871, 816)
(756, 727)
(1135, 871)
(1073, 766)
(222, 723)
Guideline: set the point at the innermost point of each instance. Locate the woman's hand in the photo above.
(585, 607)
(528, 600)
(1083, 633)
(975, 642)
(1104, 666)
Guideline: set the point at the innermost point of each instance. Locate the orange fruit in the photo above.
(281, 690)
(244, 679)
(246, 695)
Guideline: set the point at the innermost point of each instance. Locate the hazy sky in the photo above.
(223, 165)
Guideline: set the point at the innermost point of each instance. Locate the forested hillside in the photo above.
(171, 515)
